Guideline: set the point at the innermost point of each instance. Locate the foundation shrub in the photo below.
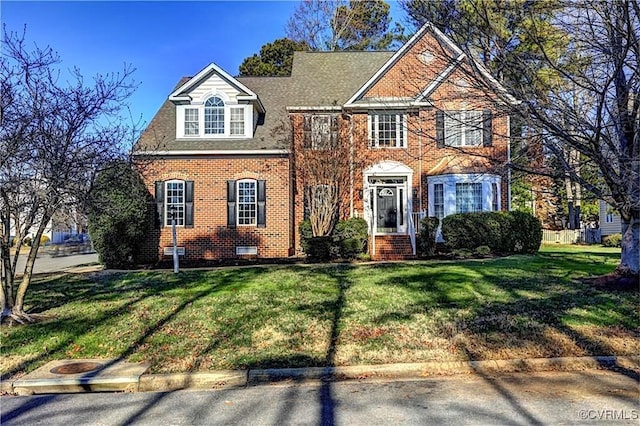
(500, 232)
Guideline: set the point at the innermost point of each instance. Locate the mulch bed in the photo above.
(615, 281)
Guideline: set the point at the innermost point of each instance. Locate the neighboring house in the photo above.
(225, 154)
(610, 222)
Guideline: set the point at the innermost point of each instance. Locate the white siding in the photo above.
(214, 85)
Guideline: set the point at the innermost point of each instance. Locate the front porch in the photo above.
(388, 210)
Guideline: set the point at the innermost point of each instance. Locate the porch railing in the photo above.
(416, 217)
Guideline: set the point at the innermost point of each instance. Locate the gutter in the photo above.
(214, 152)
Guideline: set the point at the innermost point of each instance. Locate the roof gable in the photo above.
(209, 73)
(416, 70)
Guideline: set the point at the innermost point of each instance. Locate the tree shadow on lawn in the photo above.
(331, 310)
(513, 307)
(138, 289)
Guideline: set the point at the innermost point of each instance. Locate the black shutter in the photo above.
(487, 132)
(231, 203)
(306, 126)
(334, 132)
(262, 198)
(159, 196)
(188, 204)
(440, 129)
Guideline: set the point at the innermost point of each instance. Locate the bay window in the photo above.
(462, 193)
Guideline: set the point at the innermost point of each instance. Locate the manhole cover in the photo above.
(76, 367)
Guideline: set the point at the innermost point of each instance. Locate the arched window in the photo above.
(214, 116)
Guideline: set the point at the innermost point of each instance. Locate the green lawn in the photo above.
(342, 314)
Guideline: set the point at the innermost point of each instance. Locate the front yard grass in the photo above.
(340, 314)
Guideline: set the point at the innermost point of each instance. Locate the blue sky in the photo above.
(163, 40)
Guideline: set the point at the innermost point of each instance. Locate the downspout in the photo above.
(420, 161)
(509, 163)
(351, 153)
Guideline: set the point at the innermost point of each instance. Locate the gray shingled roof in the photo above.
(317, 79)
(331, 78)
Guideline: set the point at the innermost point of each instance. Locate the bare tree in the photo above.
(580, 93)
(323, 168)
(57, 132)
(343, 25)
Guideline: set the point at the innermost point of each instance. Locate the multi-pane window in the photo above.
(438, 200)
(463, 128)
(214, 116)
(174, 202)
(468, 197)
(191, 122)
(320, 131)
(247, 202)
(495, 199)
(387, 130)
(236, 121)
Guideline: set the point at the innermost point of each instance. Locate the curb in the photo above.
(427, 369)
(230, 379)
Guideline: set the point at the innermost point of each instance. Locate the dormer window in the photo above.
(236, 121)
(191, 122)
(214, 117)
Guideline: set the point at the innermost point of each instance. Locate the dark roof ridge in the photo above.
(344, 51)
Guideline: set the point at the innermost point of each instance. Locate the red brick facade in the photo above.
(431, 85)
(211, 238)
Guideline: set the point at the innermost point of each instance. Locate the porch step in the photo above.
(392, 247)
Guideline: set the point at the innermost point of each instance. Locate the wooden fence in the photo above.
(571, 236)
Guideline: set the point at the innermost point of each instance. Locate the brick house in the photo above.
(416, 131)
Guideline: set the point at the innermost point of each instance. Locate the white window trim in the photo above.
(387, 169)
(462, 122)
(184, 113)
(255, 203)
(449, 188)
(401, 117)
(244, 120)
(180, 120)
(474, 205)
(166, 204)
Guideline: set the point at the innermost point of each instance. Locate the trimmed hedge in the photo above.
(427, 236)
(502, 232)
(347, 241)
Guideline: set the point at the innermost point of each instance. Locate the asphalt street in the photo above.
(47, 264)
(558, 398)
